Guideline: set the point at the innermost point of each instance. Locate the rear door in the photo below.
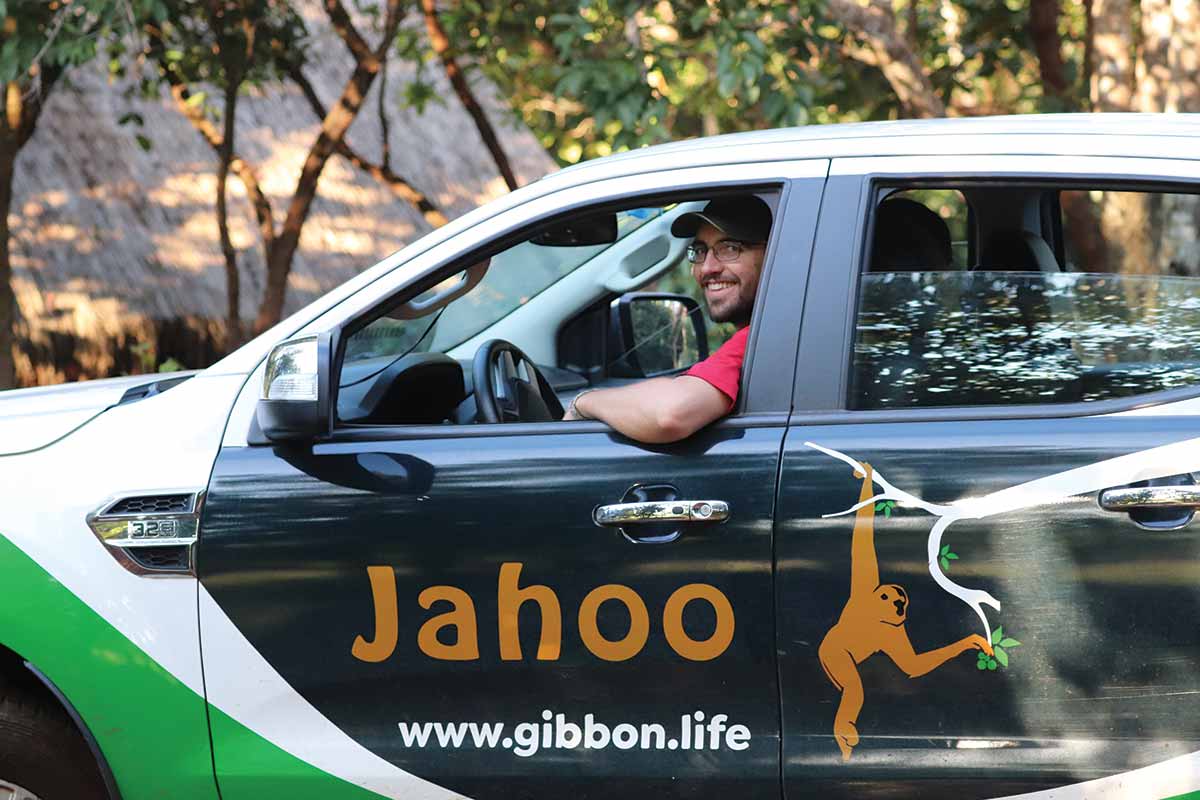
(431, 610)
(1030, 420)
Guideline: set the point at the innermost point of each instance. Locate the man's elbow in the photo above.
(675, 421)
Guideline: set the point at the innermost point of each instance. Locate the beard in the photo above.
(738, 311)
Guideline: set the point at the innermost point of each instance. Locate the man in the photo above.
(726, 254)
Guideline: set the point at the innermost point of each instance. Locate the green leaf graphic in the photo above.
(1006, 642)
(997, 635)
(879, 506)
(952, 556)
(1001, 656)
(945, 564)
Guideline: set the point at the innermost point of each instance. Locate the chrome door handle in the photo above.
(622, 514)
(1131, 497)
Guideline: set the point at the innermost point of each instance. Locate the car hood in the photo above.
(33, 418)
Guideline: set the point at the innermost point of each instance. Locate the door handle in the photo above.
(1128, 498)
(622, 514)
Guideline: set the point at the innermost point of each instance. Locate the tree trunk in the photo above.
(8, 300)
(1113, 72)
(441, 46)
(1154, 57)
(1043, 31)
(1182, 216)
(233, 293)
(1083, 229)
(1183, 93)
(333, 130)
(876, 24)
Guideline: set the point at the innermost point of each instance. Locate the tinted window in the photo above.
(1120, 318)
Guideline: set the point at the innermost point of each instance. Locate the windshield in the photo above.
(515, 276)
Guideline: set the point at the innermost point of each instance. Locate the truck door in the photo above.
(1004, 606)
(433, 611)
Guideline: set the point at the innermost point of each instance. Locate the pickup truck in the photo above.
(941, 546)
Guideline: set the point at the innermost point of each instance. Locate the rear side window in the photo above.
(1063, 297)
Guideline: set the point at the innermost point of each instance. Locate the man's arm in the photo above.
(658, 410)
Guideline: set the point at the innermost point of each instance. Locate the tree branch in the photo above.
(381, 172)
(345, 28)
(441, 46)
(333, 129)
(903, 70)
(244, 171)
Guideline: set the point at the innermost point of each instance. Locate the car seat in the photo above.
(909, 238)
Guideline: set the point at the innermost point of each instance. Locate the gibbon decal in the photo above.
(872, 622)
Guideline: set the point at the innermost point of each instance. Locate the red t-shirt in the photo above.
(723, 369)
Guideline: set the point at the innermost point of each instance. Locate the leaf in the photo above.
(879, 506)
(1001, 656)
(945, 549)
(143, 142)
(131, 117)
(1006, 642)
(945, 564)
(887, 512)
(952, 556)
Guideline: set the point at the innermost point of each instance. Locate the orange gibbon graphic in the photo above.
(873, 621)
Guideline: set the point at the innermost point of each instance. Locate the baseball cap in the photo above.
(743, 217)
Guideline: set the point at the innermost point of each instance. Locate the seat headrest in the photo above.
(1022, 251)
(909, 236)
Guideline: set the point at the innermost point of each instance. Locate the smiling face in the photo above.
(729, 286)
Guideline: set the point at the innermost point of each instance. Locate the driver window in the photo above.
(596, 299)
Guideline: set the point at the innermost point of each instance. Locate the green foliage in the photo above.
(40, 35)
(886, 507)
(945, 556)
(186, 46)
(1001, 644)
(592, 77)
(599, 76)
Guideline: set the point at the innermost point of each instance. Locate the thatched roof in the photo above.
(112, 242)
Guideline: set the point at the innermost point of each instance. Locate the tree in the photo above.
(179, 51)
(41, 41)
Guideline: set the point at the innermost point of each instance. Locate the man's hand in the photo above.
(655, 411)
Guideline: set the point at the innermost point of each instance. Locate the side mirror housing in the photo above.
(655, 333)
(294, 404)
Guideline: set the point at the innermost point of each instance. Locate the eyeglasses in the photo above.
(726, 250)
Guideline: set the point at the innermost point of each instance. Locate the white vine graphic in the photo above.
(1158, 462)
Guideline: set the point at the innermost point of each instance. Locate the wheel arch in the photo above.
(24, 676)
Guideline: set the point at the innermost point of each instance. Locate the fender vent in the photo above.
(153, 504)
(162, 559)
(150, 534)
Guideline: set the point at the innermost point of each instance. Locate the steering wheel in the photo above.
(509, 387)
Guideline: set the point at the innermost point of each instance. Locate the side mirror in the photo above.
(655, 333)
(294, 404)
